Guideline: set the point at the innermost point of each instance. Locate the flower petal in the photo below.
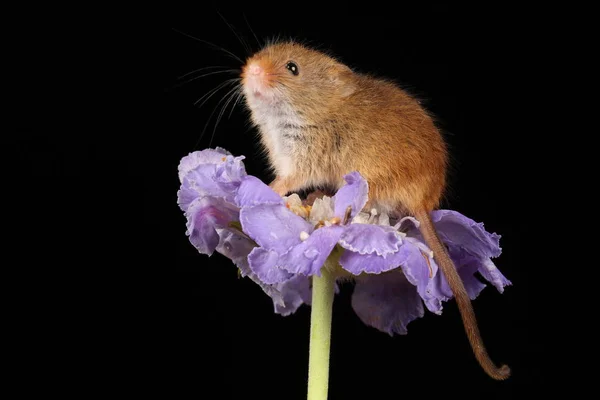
(421, 270)
(230, 173)
(202, 180)
(295, 292)
(387, 302)
(308, 257)
(185, 196)
(204, 215)
(203, 236)
(456, 229)
(493, 275)
(367, 239)
(273, 226)
(252, 191)
(209, 172)
(357, 263)
(433, 286)
(237, 248)
(193, 160)
(466, 266)
(407, 223)
(263, 263)
(214, 180)
(354, 194)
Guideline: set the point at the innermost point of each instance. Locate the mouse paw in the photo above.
(279, 186)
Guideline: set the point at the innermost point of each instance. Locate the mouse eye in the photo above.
(292, 67)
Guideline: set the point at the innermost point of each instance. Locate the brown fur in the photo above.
(346, 121)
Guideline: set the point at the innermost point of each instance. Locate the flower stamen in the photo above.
(428, 264)
(347, 215)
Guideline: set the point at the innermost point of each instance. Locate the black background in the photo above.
(142, 307)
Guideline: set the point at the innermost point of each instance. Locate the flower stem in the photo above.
(320, 334)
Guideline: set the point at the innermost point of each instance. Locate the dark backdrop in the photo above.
(146, 309)
(222, 332)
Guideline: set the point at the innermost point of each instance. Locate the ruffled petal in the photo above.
(185, 196)
(421, 270)
(456, 229)
(273, 226)
(203, 236)
(407, 223)
(308, 257)
(264, 263)
(295, 292)
(214, 173)
(470, 247)
(466, 266)
(204, 216)
(237, 248)
(416, 261)
(204, 181)
(387, 302)
(357, 263)
(193, 160)
(253, 191)
(492, 274)
(367, 239)
(354, 194)
(229, 174)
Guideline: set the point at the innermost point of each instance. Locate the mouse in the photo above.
(318, 120)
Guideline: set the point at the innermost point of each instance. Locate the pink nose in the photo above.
(254, 69)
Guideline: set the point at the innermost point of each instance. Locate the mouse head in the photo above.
(291, 79)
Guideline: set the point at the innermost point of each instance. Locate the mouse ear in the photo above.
(342, 77)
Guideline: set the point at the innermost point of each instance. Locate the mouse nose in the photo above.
(254, 69)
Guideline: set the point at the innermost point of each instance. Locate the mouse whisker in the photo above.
(210, 93)
(251, 30)
(230, 71)
(223, 108)
(215, 90)
(210, 44)
(244, 44)
(201, 69)
(239, 96)
(211, 115)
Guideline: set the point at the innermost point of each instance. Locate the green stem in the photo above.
(320, 334)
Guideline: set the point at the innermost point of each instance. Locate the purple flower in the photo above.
(290, 244)
(213, 173)
(387, 303)
(210, 181)
(283, 243)
(390, 266)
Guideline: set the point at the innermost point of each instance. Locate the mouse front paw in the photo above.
(279, 186)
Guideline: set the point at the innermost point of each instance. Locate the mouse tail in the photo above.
(465, 307)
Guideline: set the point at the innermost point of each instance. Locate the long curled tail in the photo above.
(442, 258)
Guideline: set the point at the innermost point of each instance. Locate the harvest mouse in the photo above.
(319, 120)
